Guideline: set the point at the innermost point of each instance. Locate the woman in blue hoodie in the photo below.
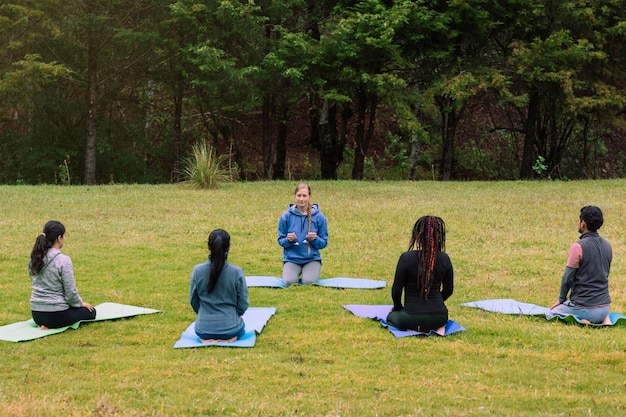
(302, 232)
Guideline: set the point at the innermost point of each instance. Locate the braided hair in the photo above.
(308, 212)
(219, 244)
(428, 239)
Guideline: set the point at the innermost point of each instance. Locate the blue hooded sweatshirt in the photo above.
(300, 251)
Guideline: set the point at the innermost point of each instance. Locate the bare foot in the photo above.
(42, 327)
(441, 331)
(585, 321)
(606, 320)
(231, 340)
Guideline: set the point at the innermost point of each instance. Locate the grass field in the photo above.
(137, 244)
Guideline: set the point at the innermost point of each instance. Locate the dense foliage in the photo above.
(111, 91)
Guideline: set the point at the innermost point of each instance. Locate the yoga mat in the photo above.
(339, 282)
(379, 313)
(27, 330)
(255, 319)
(510, 306)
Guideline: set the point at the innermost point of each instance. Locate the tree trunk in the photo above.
(448, 132)
(530, 138)
(330, 153)
(236, 154)
(92, 88)
(416, 146)
(148, 123)
(281, 142)
(268, 145)
(363, 134)
(177, 131)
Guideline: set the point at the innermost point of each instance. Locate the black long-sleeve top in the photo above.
(405, 279)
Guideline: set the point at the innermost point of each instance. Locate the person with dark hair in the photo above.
(302, 233)
(54, 301)
(586, 275)
(424, 273)
(218, 294)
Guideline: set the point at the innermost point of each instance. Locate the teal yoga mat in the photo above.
(339, 282)
(255, 319)
(27, 330)
(510, 306)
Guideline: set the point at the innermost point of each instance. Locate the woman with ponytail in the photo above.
(302, 232)
(218, 293)
(425, 275)
(55, 301)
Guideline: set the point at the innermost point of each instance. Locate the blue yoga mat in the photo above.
(339, 282)
(27, 330)
(510, 306)
(379, 313)
(255, 319)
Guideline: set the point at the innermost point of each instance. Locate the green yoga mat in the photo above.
(27, 330)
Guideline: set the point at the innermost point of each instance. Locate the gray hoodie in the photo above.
(54, 288)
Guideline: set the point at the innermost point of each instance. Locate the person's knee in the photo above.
(311, 272)
(310, 278)
(291, 274)
(391, 319)
(289, 280)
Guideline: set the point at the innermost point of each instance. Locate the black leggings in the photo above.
(420, 322)
(56, 319)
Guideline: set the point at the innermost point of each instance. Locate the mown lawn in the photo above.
(136, 244)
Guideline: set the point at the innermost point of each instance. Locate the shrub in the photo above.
(204, 168)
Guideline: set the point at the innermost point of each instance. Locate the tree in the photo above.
(95, 42)
(560, 79)
(358, 51)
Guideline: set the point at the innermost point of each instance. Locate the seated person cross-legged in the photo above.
(218, 294)
(54, 300)
(424, 273)
(586, 276)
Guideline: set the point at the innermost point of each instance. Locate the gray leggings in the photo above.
(310, 272)
(593, 314)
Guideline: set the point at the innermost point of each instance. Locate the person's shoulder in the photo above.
(56, 256)
(291, 209)
(445, 258)
(410, 254)
(315, 210)
(202, 265)
(235, 267)
(235, 270)
(231, 267)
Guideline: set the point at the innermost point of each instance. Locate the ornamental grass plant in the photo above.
(204, 168)
(137, 244)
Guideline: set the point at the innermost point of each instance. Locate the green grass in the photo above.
(137, 244)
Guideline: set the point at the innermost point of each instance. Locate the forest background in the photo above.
(109, 91)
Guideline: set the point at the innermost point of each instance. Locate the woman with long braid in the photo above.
(218, 293)
(426, 276)
(302, 233)
(54, 301)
